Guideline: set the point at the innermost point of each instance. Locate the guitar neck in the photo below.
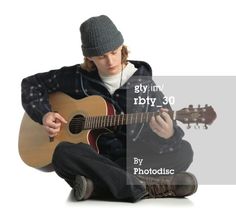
(96, 122)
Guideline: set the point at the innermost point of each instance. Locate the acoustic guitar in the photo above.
(87, 118)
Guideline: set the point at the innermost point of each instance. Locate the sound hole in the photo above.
(77, 124)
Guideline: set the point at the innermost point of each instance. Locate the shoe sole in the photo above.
(80, 187)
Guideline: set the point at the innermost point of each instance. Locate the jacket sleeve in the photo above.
(35, 90)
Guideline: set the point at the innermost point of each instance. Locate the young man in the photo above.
(107, 72)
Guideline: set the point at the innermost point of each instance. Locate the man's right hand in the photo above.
(52, 123)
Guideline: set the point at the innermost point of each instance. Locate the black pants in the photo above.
(110, 177)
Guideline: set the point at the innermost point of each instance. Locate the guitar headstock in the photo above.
(200, 115)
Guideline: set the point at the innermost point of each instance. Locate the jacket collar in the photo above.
(143, 69)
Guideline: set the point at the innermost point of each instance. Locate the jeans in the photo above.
(109, 177)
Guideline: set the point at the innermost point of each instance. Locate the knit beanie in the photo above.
(99, 35)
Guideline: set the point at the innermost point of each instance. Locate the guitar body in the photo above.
(35, 148)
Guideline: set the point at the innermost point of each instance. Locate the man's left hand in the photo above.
(162, 124)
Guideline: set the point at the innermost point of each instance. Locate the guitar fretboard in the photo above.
(96, 122)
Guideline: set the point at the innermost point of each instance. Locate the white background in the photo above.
(175, 37)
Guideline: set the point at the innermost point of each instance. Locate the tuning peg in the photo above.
(190, 106)
(205, 127)
(199, 105)
(196, 126)
(206, 105)
(188, 127)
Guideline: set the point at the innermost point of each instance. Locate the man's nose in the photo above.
(109, 60)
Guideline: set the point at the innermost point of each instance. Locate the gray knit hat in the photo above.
(99, 35)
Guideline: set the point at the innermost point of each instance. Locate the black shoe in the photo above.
(179, 185)
(83, 188)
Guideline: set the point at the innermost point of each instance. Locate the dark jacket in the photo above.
(79, 83)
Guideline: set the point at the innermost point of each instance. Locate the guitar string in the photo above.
(114, 117)
(112, 120)
(149, 114)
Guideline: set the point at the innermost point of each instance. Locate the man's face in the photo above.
(109, 63)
